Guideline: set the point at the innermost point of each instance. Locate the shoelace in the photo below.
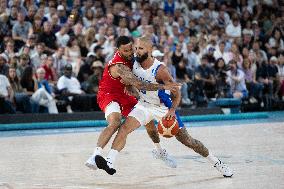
(221, 165)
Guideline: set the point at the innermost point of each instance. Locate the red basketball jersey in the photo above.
(108, 84)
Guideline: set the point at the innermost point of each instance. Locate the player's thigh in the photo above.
(113, 114)
(159, 112)
(141, 114)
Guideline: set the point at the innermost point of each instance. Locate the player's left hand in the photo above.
(170, 115)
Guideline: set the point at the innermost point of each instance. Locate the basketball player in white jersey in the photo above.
(155, 105)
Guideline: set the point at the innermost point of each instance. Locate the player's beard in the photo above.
(141, 58)
(128, 58)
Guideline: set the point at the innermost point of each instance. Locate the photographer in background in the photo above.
(221, 69)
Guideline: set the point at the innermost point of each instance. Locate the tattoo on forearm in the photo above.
(130, 79)
(192, 143)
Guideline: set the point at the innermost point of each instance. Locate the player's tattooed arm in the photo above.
(132, 91)
(164, 76)
(128, 78)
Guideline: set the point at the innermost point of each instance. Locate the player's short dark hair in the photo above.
(123, 40)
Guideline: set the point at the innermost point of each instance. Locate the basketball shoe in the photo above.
(164, 156)
(223, 168)
(104, 164)
(91, 163)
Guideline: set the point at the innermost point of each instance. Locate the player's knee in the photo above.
(123, 131)
(114, 125)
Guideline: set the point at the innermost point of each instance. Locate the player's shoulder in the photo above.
(117, 59)
(160, 65)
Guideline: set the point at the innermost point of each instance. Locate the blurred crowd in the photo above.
(53, 52)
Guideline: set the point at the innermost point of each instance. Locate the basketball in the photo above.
(168, 128)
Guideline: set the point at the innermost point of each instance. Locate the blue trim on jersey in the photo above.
(156, 70)
(166, 99)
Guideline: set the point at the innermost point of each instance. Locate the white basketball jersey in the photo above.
(148, 75)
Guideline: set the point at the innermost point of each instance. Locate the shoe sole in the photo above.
(91, 166)
(102, 164)
(228, 176)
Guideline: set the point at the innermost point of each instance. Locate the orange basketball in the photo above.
(168, 128)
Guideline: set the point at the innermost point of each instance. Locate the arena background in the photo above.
(47, 133)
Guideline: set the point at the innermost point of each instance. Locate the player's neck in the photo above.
(147, 63)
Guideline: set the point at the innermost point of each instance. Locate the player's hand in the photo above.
(170, 115)
(172, 86)
(129, 90)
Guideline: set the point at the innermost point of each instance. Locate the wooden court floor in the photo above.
(255, 152)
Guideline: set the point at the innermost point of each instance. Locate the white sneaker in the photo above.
(223, 168)
(69, 110)
(252, 100)
(163, 155)
(91, 163)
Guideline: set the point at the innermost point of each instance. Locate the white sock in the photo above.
(111, 157)
(97, 151)
(158, 147)
(212, 159)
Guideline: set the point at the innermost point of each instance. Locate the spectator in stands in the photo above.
(263, 73)
(193, 60)
(21, 30)
(37, 25)
(88, 18)
(276, 40)
(183, 77)
(254, 88)
(220, 70)
(58, 61)
(6, 96)
(37, 55)
(48, 38)
(13, 15)
(204, 81)
(4, 26)
(69, 83)
(91, 86)
(73, 54)
(236, 80)
(31, 14)
(234, 30)
(10, 49)
(50, 74)
(44, 94)
(281, 75)
(176, 55)
(21, 98)
(61, 14)
(23, 63)
(274, 75)
(4, 68)
(55, 23)
(69, 86)
(62, 36)
(260, 54)
(220, 50)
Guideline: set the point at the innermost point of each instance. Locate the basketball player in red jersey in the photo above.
(112, 96)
